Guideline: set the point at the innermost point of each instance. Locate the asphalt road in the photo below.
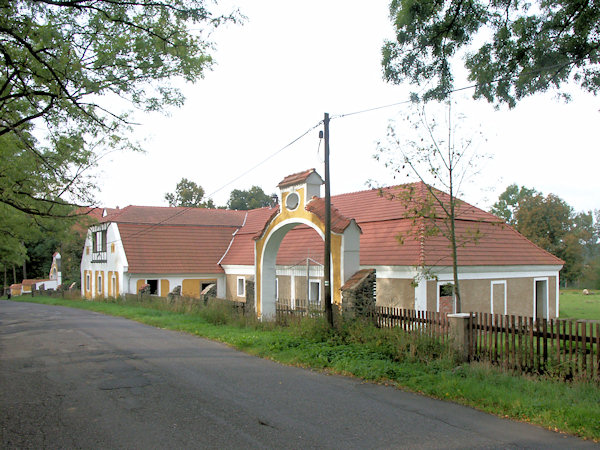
(75, 379)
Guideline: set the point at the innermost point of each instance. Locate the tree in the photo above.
(70, 72)
(512, 49)
(188, 194)
(509, 202)
(435, 159)
(253, 198)
(550, 223)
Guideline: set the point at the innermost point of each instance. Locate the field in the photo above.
(575, 305)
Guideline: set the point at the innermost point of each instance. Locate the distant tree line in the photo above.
(551, 223)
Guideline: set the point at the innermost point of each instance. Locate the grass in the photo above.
(575, 305)
(385, 356)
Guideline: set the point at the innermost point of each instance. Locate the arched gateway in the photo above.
(300, 204)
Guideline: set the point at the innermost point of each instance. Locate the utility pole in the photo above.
(327, 259)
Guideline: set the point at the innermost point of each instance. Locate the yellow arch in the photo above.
(296, 217)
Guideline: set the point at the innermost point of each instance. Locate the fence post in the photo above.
(460, 333)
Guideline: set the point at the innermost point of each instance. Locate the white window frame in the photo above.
(492, 296)
(243, 286)
(310, 283)
(437, 295)
(100, 283)
(276, 288)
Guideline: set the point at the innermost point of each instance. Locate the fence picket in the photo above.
(583, 348)
(509, 341)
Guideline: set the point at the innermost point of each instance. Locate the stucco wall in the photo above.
(394, 292)
(284, 286)
(231, 287)
(476, 295)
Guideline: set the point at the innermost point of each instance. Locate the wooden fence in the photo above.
(428, 323)
(569, 348)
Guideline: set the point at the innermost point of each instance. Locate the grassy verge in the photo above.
(385, 356)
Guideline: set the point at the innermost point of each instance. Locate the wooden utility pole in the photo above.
(327, 258)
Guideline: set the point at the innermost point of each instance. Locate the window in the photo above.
(445, 297)
(276, 288)
(99, 241)
(241, 286)
(99, 283)
(498, 297)
(87, 281)
(114, 286)
(314, 292)
(153, 286)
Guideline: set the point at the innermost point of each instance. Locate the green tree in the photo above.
(72, 71)
(549, 222)
(512, 49)
(253, 198)
(509, 202)
(188, 194)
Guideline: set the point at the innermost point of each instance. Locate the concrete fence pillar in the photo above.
(459, 333)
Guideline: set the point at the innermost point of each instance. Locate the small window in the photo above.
(292, 200)
(153, 286)
(87, 281)
(314, 293)
(114, 286)
(446, 290)
(277, 288)
(99, 283)
(241, 286)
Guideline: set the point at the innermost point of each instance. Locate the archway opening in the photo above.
(292, 268)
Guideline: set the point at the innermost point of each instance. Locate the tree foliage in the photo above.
(509, 202)
(253, 198)
(72, 71)
(512, 48)
(553, 225)
(189, 194)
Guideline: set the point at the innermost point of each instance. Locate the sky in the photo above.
(277, 74)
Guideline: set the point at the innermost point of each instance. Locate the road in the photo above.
(77, 379)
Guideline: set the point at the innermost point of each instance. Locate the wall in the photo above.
(395, 292)
(476, 295)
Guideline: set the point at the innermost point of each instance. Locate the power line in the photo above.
(267, 158)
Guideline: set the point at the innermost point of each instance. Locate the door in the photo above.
(541, 299)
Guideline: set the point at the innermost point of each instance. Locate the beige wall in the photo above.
(395, 292)
(475, 295)
(285, 286)
(231, 288)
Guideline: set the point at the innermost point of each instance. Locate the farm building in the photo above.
(277, 253)
(53, 281)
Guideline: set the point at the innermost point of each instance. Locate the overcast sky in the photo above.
(291, 62)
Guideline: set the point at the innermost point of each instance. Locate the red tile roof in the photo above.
(31, 282)
(357, 278)
(196, 240)
(295, 178)
(392, 233)
(176, 216)
(339, 222)
(173, 248)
